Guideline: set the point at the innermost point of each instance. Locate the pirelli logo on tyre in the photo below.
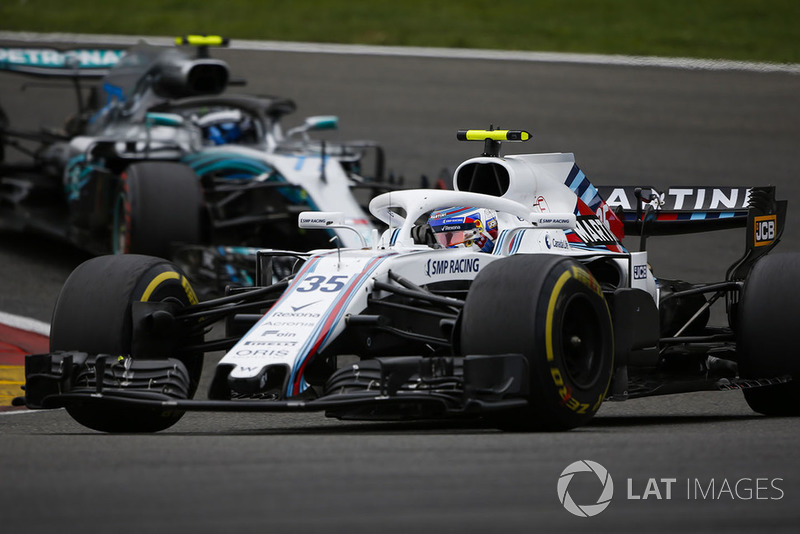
(765, 229)
(587, 279)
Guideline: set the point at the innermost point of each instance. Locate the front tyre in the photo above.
(549, 309)
(768, 309)
(93, 315)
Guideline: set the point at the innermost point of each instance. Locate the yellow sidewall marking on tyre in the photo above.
(169, 275)
(551, 307)
(563, 390)
(189, 291)
(155, 282)
(587, 279)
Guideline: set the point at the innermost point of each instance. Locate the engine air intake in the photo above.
(486, 178)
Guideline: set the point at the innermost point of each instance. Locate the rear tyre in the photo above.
(93, 315)
(766, 342)
(159, 205)
(551, 310)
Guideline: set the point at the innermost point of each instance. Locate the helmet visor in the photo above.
(452, 234)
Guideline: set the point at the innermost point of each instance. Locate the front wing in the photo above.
(393, 388)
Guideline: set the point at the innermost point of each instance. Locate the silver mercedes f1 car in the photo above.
(159, 156)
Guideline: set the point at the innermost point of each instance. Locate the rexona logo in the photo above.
(765, 230)
(603, 500)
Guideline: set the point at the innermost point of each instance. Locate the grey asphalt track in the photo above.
(247, 473)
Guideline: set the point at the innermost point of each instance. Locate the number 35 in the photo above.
(322, 283)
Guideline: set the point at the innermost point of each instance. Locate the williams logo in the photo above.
(566, 478)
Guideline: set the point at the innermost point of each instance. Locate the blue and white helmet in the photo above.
(473, 228)
(225, 126)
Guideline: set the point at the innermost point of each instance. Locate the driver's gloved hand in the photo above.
(423, 235)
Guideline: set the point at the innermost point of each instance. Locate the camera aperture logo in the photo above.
(585, 510)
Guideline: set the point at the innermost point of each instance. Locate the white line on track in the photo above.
(437, 53)
(25, 323)
(6, 413)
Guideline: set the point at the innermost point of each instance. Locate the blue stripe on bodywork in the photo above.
(337, 310)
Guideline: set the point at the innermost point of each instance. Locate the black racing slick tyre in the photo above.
(766, 342)
(93, 315)
(549, 309)
(158, 206)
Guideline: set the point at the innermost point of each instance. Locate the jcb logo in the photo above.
(765, 230)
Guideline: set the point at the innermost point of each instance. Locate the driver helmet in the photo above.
(226, 132)
(472, 228)
(226, 126)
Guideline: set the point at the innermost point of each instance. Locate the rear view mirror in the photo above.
(321, 122)
(316, 123)
(163, 119)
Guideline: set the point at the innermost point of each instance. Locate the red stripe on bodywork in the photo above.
(328, 324)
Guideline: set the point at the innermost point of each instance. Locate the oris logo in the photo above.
(566, 478)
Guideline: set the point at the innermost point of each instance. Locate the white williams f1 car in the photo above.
(510, 298)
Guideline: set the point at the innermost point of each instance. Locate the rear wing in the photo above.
(52, 62)
(646, 211)
(677, 210)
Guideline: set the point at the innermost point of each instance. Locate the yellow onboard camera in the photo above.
(492, 138)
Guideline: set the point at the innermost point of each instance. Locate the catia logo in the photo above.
(603, 500)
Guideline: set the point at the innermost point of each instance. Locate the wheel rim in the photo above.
(581, 342)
